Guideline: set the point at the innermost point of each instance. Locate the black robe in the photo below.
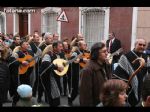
(74, 76)
(47, 77)
(15, 78)
(13, 67)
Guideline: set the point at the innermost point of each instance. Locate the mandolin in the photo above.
(30, 59)
(64, 63)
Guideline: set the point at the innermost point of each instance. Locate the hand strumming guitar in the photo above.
(25, 63)
(60, 68)
(85, 60)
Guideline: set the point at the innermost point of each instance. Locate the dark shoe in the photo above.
(70, 102)
(39, 100)
(13, 104)
(8, 101)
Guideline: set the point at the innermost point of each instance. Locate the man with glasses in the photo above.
(94, 75)
(126, 68)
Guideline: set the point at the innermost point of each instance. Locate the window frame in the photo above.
(106, 10)
(3, 15)
(47, 10)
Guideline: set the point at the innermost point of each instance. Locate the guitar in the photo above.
(84, 55)
(64, 63)
(110, 56)
(30, 60)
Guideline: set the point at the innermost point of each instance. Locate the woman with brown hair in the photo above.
(113, 93)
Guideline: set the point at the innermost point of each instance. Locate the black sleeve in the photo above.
(119, 73)
(119, 44)
(13, 62)
(47, 67)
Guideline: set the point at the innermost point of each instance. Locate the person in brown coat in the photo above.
(94, 75)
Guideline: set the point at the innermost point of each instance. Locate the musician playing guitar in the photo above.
(74, 78)
(113, 44)
(21, 54)
(14, 67)
(85, 53)
(50, 80)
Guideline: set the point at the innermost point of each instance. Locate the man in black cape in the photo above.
(126, 68)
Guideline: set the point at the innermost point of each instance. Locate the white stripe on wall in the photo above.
(134, 26)
(14, 23)
(106, 27)
(29, 23)
(5, 23)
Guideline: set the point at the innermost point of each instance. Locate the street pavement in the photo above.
(63, 102)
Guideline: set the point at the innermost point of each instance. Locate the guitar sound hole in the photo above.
(64, 64)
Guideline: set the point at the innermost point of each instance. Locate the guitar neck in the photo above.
(72, 60)
(118, 51)
(33, 58)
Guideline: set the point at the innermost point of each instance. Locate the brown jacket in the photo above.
(92, 79)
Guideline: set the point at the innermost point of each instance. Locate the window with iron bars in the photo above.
(49, 23)
(93, 21)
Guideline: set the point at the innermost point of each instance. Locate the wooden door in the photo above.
(23, 24)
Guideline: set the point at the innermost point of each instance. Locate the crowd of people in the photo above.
(103, 75)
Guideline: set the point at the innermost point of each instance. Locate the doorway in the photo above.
(23, 24)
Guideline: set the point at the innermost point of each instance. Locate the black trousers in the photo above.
(52, 102)
(15, 99)
(73, 83)
(25, 78)
(1, 104)
(41, 91)
(65, 77)
(36, 83)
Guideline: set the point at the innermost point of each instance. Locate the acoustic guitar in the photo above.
(110, 56)
(64, 64)
(84, 55)
(30, 60)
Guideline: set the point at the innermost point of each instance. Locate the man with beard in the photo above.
(14, 65)
(50, 80)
